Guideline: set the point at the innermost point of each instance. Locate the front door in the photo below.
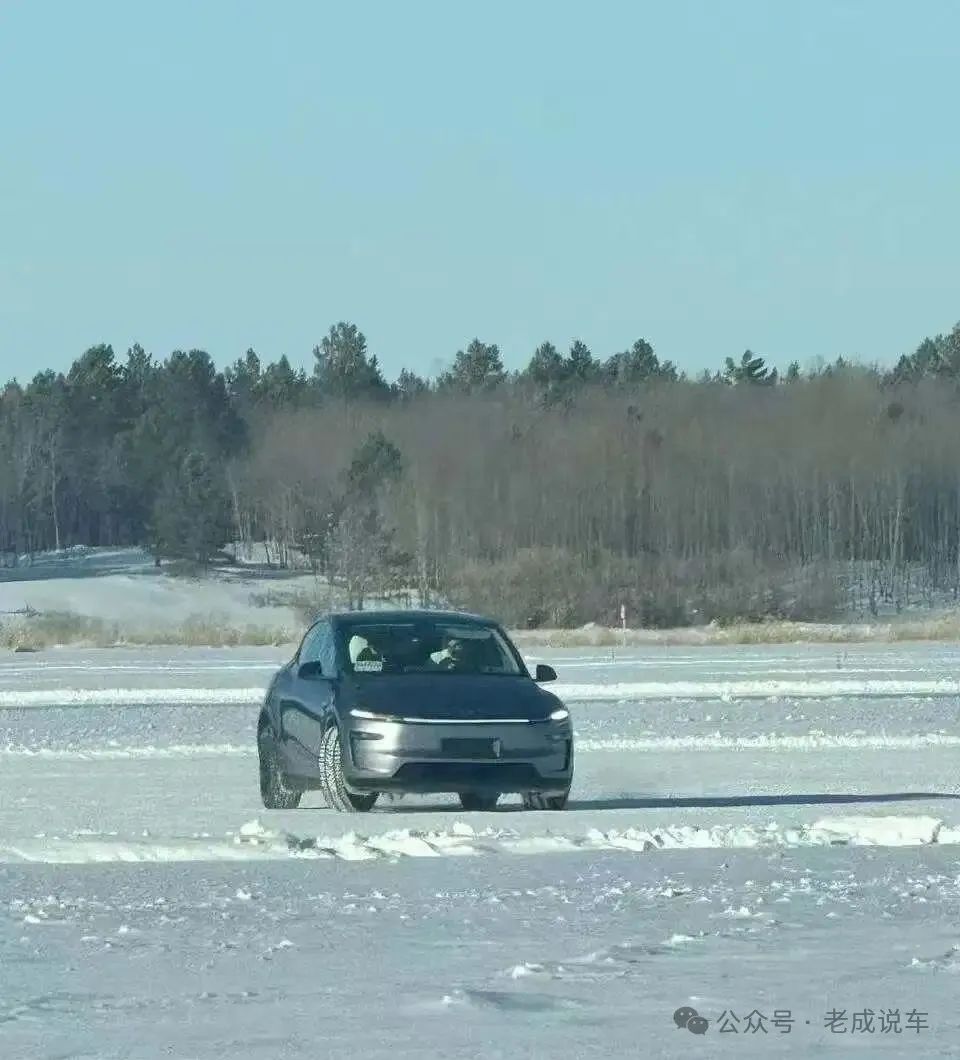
(306, 703)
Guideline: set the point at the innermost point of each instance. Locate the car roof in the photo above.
(407, 615)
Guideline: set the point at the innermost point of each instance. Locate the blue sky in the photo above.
(710, 176)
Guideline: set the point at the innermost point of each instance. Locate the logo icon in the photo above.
(688, 1017)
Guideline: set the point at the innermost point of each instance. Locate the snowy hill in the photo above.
(119, 594)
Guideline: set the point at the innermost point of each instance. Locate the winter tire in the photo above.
(539, 800)
(274, 792)
(331, 778)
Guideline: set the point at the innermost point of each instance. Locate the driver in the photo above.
(459, 655)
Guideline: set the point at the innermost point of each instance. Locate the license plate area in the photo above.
(467, 748)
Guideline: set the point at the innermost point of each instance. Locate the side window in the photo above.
(310, 649)
(317, 646)
(328, 650)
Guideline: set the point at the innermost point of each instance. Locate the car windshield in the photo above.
(420, 647)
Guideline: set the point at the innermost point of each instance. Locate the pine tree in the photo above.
(282, 387)
(409, 385)
(580, 362)
(360, 546)
(192, 513)
(639, 364)
(343, 368)
(751, 369)
(547, 368)
(243, 381)
(478, 367)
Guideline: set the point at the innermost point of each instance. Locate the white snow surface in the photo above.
(578, 693)
(762, 689)
(750, 830)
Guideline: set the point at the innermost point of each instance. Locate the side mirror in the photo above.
(310, 671)
(545, 673)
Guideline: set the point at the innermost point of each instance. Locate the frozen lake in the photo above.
(755, 828)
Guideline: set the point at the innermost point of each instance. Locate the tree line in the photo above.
(551, 495)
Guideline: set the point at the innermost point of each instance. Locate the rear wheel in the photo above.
(274, 791)
(539, 800)
(331, 778)
(475, 800)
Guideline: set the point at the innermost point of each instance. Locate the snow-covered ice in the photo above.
(751, 830)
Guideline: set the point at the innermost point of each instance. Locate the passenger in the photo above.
(362, 651)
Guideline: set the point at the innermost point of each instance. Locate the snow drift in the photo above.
(255, 841)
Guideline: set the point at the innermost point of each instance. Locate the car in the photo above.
(412, 702)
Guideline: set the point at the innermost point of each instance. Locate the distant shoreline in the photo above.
(40, 631)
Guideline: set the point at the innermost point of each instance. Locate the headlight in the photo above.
(369, 715)
(560, 714)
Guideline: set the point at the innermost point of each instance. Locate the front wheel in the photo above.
(474, 800)
(331, 778)
(538, 800)
(274, 792)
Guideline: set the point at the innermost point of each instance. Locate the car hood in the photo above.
(457, 696)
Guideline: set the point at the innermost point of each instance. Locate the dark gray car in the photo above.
(412, 701)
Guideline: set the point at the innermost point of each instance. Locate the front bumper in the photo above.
(438, 756)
